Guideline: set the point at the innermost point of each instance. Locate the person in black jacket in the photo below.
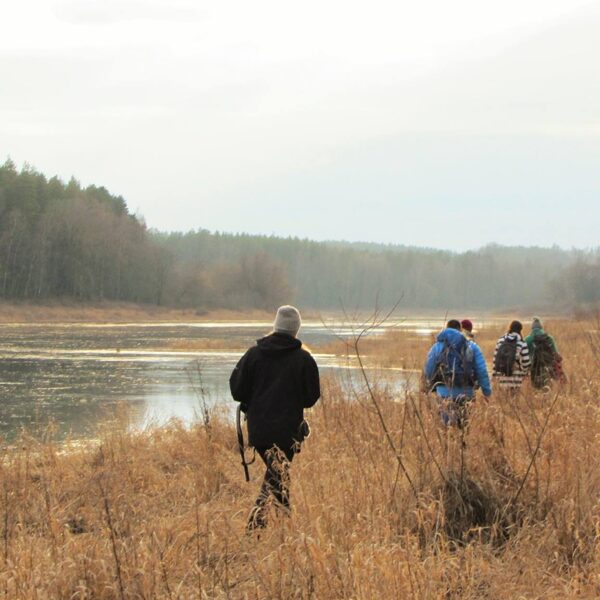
(275, 381)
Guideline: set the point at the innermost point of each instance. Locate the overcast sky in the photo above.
(433, 123)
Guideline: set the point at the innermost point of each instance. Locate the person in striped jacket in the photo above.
(511, 359)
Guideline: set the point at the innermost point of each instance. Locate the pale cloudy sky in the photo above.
(445, 124)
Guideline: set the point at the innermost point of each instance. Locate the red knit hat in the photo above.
(466, 324)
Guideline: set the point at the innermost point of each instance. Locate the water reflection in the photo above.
(79, 375)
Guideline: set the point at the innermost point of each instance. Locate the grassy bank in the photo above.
(116, 312)
(69, 311)
(386, 504)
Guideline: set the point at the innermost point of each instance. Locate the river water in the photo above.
(79, 376)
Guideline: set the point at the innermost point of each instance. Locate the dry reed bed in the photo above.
(69, 311)
(162, 515)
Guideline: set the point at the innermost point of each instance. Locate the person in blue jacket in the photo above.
(455, 367)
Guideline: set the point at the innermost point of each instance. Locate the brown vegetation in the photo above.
(116, 312)
(514, 512)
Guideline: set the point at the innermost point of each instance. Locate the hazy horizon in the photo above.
(436, 126)
(193, 229)
(591, 248)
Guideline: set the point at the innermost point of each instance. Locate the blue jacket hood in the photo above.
(451, 336)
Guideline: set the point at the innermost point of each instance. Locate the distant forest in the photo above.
(61, 240)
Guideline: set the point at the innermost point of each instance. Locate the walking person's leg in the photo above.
(258, 514)
(275, 482)
(280, 487)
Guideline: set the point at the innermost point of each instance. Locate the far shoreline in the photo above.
(69, 311)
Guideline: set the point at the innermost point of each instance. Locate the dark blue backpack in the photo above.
(456, 366)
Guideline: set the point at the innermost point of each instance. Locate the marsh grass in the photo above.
(507, 508)
(71, 311)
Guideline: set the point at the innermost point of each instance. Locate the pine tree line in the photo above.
(59, 240)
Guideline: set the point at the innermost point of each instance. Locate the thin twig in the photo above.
(113, 540)
(425, 436)
(533, 457)
(382, 421)
(163, 568)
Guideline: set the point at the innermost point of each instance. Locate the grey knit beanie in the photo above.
(536, 323)
(287, 320)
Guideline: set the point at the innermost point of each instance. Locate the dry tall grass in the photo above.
(69, 311)
(513, 512)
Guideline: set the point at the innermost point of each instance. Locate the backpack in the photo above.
(506, 353)
(543, 358)
(456, 366)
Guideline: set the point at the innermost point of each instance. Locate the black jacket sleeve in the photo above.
(312, 388)
(240, 381)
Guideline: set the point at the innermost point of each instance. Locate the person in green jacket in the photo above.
(546, 362)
